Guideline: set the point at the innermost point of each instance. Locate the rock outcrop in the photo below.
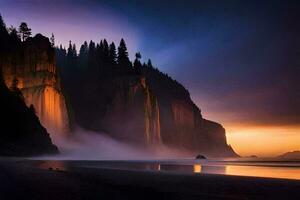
(32, 69)
(21, 131)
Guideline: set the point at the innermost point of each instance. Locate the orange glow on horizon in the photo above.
(263, 141)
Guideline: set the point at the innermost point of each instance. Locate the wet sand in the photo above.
(21, 180)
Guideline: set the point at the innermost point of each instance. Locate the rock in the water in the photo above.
(200, 156)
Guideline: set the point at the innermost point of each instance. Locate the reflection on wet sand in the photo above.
(52, 165)
(213, 169)
(271, 172)
(197, 168)
(292, 172)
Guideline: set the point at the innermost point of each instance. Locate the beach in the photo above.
(23, 180)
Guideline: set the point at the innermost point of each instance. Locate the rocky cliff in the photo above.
(135, 103)
(181, 122)
(32, 69)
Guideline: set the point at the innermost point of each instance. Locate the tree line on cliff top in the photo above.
(93, 61)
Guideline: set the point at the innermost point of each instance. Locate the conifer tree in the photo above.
(149, 63)
(112, 54)
(74, 51)
(52, 40)
(137, 63)
(24, 31)
(83, 52)
(70, 50)
(123, 59)
(91, 51)
(92, 55)
(105, 51)
(63, 51)
(99, 50)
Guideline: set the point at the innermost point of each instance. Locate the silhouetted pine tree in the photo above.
(112, 54)
(92, 50)
(61, 54)
(105, 52)
(137, 65)
(83, 52)
(83, 55)
(100, 48)
(93, 61)
(123, 59)
(24, 31)
(99, 57)
(149, 63)
(74, 51)
(70, 50)
(52, 40)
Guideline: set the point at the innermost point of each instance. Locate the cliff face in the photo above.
(135, 108)
(32, 69)
(182, 125)
(122, 107)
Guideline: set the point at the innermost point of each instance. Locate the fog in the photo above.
(88, 145)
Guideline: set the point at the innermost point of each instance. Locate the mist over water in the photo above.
(88, 145)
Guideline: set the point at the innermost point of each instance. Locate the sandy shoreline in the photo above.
(20, 180)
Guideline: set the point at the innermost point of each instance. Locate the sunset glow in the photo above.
(263, 141)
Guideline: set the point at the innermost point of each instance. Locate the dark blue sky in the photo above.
(239, 59)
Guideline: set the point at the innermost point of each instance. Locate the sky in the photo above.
(240, 60)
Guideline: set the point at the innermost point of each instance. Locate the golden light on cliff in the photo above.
(52, 109)
(40, 88)
(152, 118)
